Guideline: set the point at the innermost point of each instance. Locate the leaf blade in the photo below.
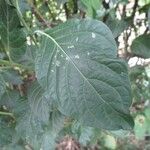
(75, 68)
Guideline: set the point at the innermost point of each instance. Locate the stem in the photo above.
(6, 114)
(12, 64)
(23, 21)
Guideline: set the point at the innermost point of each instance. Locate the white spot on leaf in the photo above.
(76, 56)
(93, 35)
(67, 58)
(71, 46)
(52, 70)
(88, 53)
(57, 63)
(77, 39)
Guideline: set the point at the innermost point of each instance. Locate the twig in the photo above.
(134, 8)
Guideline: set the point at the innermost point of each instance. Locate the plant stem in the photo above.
(12, 64)
(6, 114)
(24, 23)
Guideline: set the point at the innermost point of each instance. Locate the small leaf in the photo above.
(141, 46)
(78, 69)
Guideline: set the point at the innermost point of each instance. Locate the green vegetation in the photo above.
(74, 74)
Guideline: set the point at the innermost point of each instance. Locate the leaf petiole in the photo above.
(6, 114)
(12, 64)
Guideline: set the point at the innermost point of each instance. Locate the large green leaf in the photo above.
(12, 36)
(77, 67)
(141, 46)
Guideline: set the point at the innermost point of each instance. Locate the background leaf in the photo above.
(13, 38)
(141, 46)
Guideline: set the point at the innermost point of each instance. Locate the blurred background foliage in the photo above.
(129, 21)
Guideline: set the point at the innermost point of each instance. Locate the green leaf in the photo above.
(2, 85)
(12, 36)
(51, 133)
(29, 57)
(24, 6)
(117, 26)
(84, 133)
(77, 67)
(61, 1)
(92, 7)
(28, 127)
(6, 131)
(141, 46)
(39, 105)
(37, 124)
(9, 99)
(11, 76)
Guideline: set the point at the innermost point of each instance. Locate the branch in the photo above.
(134, 8)
(38, 15)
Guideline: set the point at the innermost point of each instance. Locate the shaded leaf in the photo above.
(37, 124)
(61, 1)
(13, 38)
(2, 85)
(11, 76)
(92, 7)
(117, 26)
(9, 99)
(141, 46)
